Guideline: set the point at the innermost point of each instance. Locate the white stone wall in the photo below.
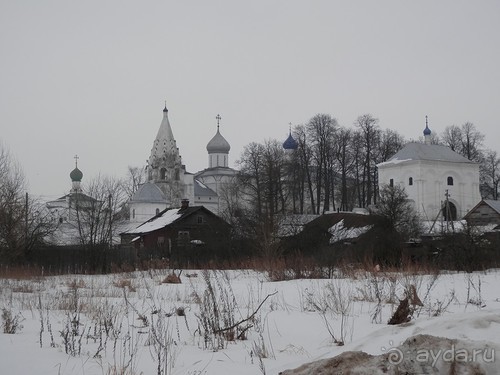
(143, 211)
(430, 184)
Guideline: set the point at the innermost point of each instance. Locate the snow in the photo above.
(393, 161)
(290, 329)
(156, 223)
(340, 233)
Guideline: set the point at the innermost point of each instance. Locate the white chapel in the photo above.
(432, 175)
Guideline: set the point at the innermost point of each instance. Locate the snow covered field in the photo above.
(239, 322)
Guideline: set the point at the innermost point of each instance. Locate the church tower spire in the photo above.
(165, 164)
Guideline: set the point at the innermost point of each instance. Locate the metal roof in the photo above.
(149, 192)
(421, 151)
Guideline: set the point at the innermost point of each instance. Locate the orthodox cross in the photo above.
(218, 118)
(76, 160)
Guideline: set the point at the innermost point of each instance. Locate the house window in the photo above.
(391, 182)
(161, 241)
(450, 181)
(410, 181)
(200, 219)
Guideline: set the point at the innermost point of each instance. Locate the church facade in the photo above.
(169, 183)
(439, 181)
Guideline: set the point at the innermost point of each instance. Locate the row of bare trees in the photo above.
(91, 220)
(334, 168)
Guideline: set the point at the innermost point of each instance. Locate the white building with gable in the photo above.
(431, 175)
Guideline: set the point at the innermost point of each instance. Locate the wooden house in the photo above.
(485, 212)
(186, 235)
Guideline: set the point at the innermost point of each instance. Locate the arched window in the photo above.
(410, 181)
(163, 172)
(133, 213)
(157, 211)
(450, 181)
(391, 182)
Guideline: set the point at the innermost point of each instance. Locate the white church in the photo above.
(169, 182)
(434, 177)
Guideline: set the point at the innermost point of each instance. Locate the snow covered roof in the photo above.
(421, 151)
(149, 192)
(160, 221)
(340, 232)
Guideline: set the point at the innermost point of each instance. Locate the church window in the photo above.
(163, 173)
(410, 181)
(177, 175)
(157, 211)
(200, 219)
(133, 213)
(391, 182)
(450, 181)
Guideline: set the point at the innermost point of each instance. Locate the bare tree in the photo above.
(370, 135)
(304, 175)
(472, 142)
(24, 223)
(465, 140)
(346, 163)
(96, 208)
(452, 138)
(262, 178)
(400, 213)
(321, 129)
(135, 177)
(490, 175)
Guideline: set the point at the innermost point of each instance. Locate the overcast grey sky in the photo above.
(91, 77)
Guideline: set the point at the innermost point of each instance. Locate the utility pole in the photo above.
(110, 221)
(448, 212)
(26, 224)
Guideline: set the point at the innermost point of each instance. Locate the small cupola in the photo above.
(427, 132)
(218, 144)
(76, 176)
(218, 149)
(290, 143)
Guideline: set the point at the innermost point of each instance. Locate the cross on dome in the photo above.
(218, 118)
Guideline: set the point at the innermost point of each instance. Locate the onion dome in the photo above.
(218, 144)
(290, 143)
(427, 131)
(76, 175)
